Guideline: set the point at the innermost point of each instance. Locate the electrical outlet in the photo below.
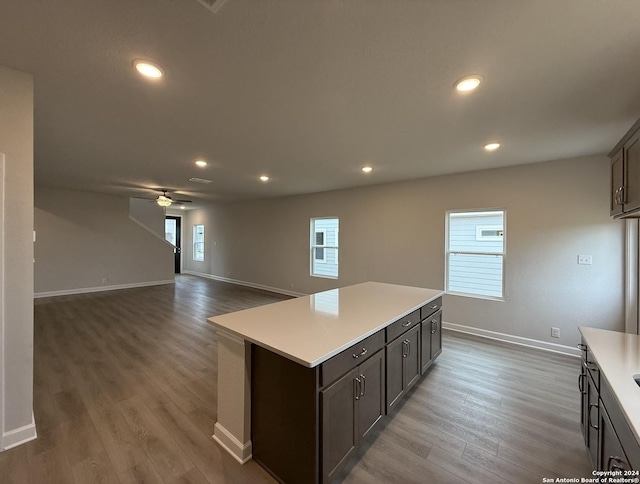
(555, 332)
(585, 259)
(104, 279)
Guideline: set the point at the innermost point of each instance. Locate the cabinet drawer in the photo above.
(344, 361)
(402, 325)
(430, 308)
(620, 425)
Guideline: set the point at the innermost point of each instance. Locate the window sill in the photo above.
(475, 296)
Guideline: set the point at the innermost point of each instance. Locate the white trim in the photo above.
(247, 284)
(516, 340)
(239, 451)
(19, 436)
(83, 290)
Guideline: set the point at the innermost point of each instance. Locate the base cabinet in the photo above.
(350, 409)
(403, 365)
(608, 437)
(307, 422)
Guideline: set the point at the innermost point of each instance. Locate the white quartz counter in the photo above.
(618, 356)
(312, 329)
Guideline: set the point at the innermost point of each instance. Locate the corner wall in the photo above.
(86, 242)
(16, 250)
(395, 233)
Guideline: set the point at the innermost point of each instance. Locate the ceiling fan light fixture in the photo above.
(148, 69)
(164, 201)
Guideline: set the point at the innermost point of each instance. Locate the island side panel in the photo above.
(285, 417)
(232, 429)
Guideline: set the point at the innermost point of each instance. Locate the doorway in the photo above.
(173, 234)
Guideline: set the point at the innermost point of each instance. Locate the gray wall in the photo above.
(16, 142)
(83, 238)
(395, 233)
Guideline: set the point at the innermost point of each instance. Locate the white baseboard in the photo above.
(19, 436)
(239, 451)
(247, 284)
(516, 340)
(83, 290)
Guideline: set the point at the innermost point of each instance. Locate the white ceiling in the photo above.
(308, 91)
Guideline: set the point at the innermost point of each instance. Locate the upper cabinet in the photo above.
(625, 175)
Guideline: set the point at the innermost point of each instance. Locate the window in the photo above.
(475, 253)
(324, 247)
(198, 242)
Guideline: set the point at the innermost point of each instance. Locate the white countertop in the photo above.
(618, 356)
(312, 329)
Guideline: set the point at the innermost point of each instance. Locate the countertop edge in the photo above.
(334, 352)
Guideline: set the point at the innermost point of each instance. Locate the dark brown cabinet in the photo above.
(350, 409)
(430, 334)
(608, 437)
(625, 175)
(403, 365)
(307, 422)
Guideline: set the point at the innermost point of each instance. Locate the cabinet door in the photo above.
(395, 363)
(411, 370)
(617, 184)
(436, 334)
(631, 193)
(370, 407)
(339, 427)
(584, 402)
(611, 455)
(425, 345)
(592, 421)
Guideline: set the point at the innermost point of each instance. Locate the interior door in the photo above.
(173, 234)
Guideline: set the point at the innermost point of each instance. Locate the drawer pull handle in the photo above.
(362, 353)
(364, 386)
(435, 306)
(434, 326)
(406, 344)
(581, 383)
(595, 427)
(581, 347)
(611, 464)
(356, 383)
(407, 324)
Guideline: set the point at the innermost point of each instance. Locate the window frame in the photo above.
(322, 246)
(195, 242)
(503, 254)
(313, 246)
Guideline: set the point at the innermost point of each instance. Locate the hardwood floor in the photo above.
(125, 391)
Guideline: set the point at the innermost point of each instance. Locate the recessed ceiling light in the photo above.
(147, 69)
(492, 146)
(468, 83)
(367, 169)
(201, 163)
(264, 178)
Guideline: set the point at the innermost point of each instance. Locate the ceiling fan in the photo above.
(165, 200)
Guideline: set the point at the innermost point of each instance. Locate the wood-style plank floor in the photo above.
(125, 392)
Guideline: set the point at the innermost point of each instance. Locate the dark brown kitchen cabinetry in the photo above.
(608, 437)
(307, 422)
(430, 334)
(403, 365)
(350, 409)
(625, 175)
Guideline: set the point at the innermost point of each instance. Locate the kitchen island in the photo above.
(302, 382)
